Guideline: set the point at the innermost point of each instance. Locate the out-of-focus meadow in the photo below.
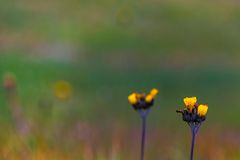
(68, 66)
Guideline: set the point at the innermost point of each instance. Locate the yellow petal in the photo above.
(202, 110)
(190, 102)
(154, 92)
(149, 98)
(132, 98)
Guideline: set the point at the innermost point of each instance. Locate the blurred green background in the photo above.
(104, 50)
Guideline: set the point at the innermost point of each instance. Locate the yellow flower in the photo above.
(190, 102)
(202, 110)
(62, 89)
(149, 98)
(132, 98)
(154, 92)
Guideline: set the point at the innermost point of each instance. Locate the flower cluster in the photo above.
(141, 101)
(193, 113)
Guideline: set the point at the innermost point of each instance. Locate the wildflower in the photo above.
(154, 92)
(132, 98)
(202, 110)
(142, 103)
(194, 115)
(190, 102)
(149, 98)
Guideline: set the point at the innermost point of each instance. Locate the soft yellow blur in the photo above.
(149, 98)
(202, 110)
(154, 92)
(132, 98)
(62, 89)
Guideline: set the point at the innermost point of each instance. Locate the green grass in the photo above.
(102, 91)
(168, 27)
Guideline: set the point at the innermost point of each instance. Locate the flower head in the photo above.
(190, 102)
(194, 113)
(202, 110)
(153, 92)
(149, 98)
(142, 101)
(132, 98)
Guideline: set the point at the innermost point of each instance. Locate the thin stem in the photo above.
(143, 136)
(193, 143)
(194, 130)
(143, 114)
